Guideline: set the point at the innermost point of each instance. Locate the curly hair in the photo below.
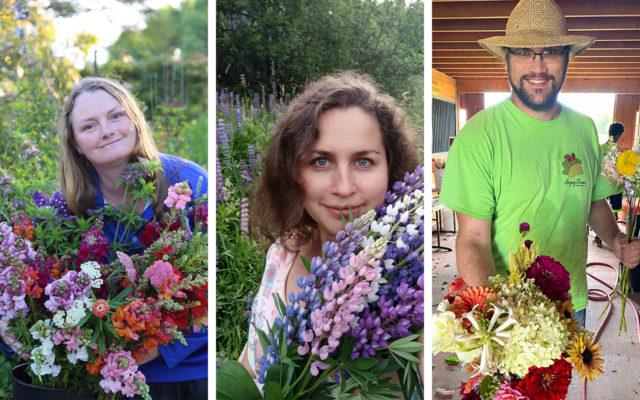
(279, 196)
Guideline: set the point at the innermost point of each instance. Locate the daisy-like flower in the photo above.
(550, 276)
(585, 355)
(627, 162)
(549, 383)
(566, 308)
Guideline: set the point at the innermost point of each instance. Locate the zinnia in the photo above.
(550, 276)
(550, 383)
(627, 162)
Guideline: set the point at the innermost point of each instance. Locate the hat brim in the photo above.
(532, 39)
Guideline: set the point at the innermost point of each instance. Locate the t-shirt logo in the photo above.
(572, 165)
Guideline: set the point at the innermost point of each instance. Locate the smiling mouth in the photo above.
(344, 211)
(110, 143)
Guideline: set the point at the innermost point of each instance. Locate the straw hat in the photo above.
(536, 23)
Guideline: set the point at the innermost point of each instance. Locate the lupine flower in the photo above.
(238, 121)
(244, 217)
(244, 172)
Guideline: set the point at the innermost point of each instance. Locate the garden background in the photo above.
(266, 52)
(164, 65)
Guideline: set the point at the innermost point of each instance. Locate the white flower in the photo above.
(400, 244)
(443, 331)
(92, 269)
(412, 229)
(58, 319)
(381, 228)
(78, 354)
(404, 217)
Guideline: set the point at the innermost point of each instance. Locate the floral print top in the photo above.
(263, 311)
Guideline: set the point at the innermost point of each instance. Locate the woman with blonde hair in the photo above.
(102, 130)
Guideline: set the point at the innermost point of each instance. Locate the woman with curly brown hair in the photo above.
(339, 147)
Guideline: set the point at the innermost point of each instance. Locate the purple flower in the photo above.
(244, 217)
(528, 243)
(524, 227)
(550, 276)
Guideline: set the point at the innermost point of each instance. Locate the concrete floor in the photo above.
(621, 379)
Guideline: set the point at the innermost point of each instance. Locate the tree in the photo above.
(287, 42)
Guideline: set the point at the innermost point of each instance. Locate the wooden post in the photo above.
(472, 102)
(625, 110)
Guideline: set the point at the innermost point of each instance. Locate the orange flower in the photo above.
(474, 295)
(95, 366)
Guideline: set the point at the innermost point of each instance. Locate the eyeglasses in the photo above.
(553, 55)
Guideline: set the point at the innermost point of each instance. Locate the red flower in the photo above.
(150, 233)
(166, 250)
(550, 383)
(570, 158)
(455, 288)
(100, 308)
(550, 276)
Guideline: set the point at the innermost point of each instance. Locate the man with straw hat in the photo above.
(531, 159)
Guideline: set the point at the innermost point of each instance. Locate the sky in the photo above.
(105, 19)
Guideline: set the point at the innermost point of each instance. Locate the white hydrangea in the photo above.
(541, 334)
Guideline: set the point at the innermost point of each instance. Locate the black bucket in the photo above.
(24, 389)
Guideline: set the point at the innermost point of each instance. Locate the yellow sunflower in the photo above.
(565, 308)
(626, 162)
(585, 356)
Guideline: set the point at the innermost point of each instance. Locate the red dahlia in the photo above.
(550, 276)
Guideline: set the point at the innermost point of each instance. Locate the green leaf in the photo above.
(233, 381)
(453, 360)
(272, 391)
(122, 294)
(306, 264)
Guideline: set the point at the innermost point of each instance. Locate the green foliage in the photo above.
(5, 381)
(286, 42)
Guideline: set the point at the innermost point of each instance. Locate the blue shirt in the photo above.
(178, 362)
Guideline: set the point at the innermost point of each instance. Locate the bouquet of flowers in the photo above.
(620, 168)
(86, 315)
(516, 335)
(357, 317)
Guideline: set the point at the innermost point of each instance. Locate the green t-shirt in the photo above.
(508, 167)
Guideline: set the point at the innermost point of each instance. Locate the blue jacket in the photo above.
(178, 362)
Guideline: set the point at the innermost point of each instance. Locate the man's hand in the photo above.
(10, 339)
(630, 252)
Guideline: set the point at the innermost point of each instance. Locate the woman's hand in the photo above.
(151, 355)
(10, 339)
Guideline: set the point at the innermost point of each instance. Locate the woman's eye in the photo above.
(363, 163)
(117, 115)
(321, 162)
(87, 127)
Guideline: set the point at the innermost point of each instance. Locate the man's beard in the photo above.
(549, 100)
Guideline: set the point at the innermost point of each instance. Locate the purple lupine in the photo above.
(244, 217)
(5, 184)
(252, 159)
(244, 172)
(220, 192)
(223, 140)
(58, 201)
(238, 112)
(264, 121)
(238, 101)
(271, 102)
(272, 128)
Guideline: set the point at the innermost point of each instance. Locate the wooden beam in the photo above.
(615, 85)
(443, 86)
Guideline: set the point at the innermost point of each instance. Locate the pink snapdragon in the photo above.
(179, 195)
(12, 294)
(69, 337)
(121, 374)
(161, 275)
(128, 265)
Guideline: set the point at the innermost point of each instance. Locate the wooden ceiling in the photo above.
(611, 65)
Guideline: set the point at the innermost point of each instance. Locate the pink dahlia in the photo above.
(550, 276)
